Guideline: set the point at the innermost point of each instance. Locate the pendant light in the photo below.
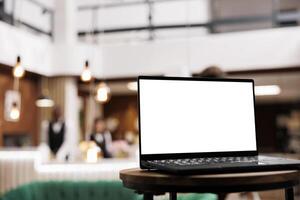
(103, 93)
(18, 70)
(44, 101)
(86, 74)
(14, 112)
(15, 109)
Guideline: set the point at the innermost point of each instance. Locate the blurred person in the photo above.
(59, 136)
(56, 130)
(212, 72)
(102, 137)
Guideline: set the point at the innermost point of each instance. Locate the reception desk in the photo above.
(18, 167)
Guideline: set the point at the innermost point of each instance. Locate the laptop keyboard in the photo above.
(205, 161)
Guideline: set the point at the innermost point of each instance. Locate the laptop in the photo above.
(200, 126)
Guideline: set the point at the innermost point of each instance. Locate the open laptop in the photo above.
(200, 125)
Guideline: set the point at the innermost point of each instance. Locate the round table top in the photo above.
(153, 181)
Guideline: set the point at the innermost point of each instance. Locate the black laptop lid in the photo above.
(191, 117)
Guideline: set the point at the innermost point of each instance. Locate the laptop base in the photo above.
(263, 163)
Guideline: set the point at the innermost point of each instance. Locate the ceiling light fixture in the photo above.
(132, 86)
(18, 70)
(86, 74)
(44, 102)
(103, 93)
(264, 90)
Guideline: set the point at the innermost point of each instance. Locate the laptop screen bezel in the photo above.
(193, 154)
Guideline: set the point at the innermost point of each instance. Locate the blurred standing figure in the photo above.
(102, 137)
(60, 136)
(56, 131)
(212, 72)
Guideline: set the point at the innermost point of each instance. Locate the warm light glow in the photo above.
(92, 154)
(103, 93)
(14, 113)
(18, 70)
(132, 86)
(86, 74)
(264, 90)
(44, 103)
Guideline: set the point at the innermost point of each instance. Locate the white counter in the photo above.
(22, 166)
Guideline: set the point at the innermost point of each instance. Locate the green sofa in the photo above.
(99, 190)
(67, 190)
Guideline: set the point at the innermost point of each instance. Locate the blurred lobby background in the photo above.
(65, 63)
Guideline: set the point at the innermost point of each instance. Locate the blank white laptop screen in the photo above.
(188, 116)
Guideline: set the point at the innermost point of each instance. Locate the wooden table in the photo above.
(150, 183)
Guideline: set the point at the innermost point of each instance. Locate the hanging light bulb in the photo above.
(86, 74)
(14, 113)
(18, 70)
(103, 93)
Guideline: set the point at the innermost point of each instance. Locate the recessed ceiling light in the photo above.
(264, 90)
(132, 86)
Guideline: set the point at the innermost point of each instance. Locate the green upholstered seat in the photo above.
(71, 190)
(192, 196)
(67, 190)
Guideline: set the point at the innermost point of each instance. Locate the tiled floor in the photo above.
(269, 195)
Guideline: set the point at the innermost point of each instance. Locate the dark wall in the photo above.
(123, 108)
(28, 123)
(267, 129)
